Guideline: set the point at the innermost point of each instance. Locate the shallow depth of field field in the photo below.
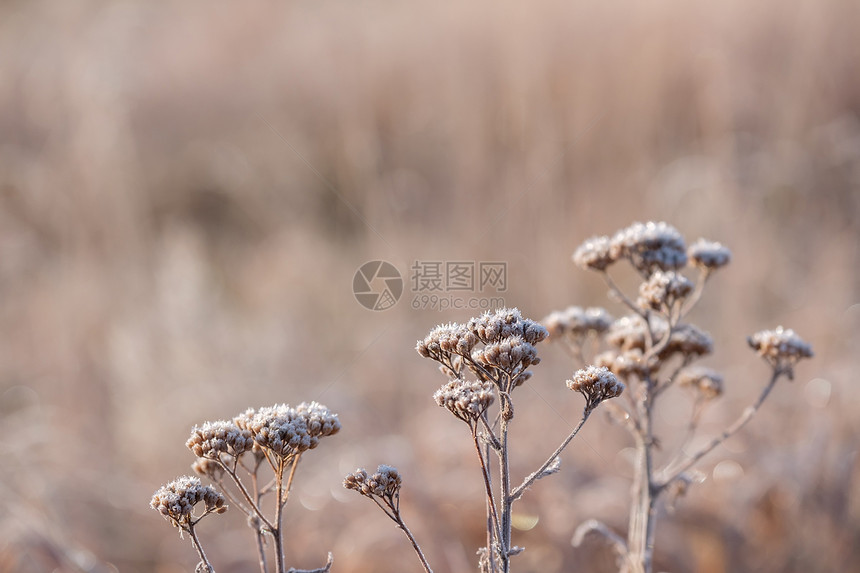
(187, 190)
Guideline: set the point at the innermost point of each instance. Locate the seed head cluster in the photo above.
(594, 254)
(596, 383)
(176, 500)
(628, 333)
(704, 380)
(506, 322)
(624, 364)
(385, 483)
(467, 400)
(650, 246)
(496, 346)
(286, 431)
(781, 347)
(213, 439)
(663, 289)
(577, 322)
(708, 255)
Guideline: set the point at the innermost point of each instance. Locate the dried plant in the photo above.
(275, 437)
(652, 350)
(497, 349)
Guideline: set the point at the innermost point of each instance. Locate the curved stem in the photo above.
(527, 483)
(493, 530)
(727, 433)
(402, 525)
(196, 542)
(613, 288)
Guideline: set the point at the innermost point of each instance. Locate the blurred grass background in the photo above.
(186, 190)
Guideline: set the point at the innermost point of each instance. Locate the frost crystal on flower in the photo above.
(286, 431)
(384, 483)
(625, 363)
(663, 289)
(650, 246)
(689, 341)
(594, 254)
(577, 322)
(628, 332)
(176, 500)
(708, 255)
(447, 339)
(504, 323)
(781, 347)
(706, 381)
(597, 384)
(215, 438)
(466, 400)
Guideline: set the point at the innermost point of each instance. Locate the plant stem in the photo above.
(728, 432)
(492, 514)
(505, 494)
(640, 535)
(527, 483)
(199, 548)
(402, 525)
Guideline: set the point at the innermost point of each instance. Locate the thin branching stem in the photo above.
(196, 542)
(527, 483)
(493, 529)
(742, 421)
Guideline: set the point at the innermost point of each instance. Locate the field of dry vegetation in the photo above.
(187, 189)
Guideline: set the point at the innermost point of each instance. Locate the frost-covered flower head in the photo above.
(287, 431)
(506, 322)
(781, 347)
(385, 483)
(650, 246)
(467, 400)
(176, 500)
(663, 289)
(708, 255)
(577, 322)
(597, 384)
(214, 439)
(704, 380)
(594, 254)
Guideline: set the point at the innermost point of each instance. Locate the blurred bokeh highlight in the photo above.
(188, 188)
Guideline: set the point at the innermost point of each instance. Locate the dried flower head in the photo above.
(208, 468)
(176, 500)
(320, 420)
(466, 400)
(214, 439)
(708, 255)
(781, 347)
(506, 322)
(626, 363)
(577, 322)
(447, 339)
(663, 289)
(628, 332)
(597, 384)
(511, 355)
(650, 246)
(287, 431)
(594, 254)
(385, 483)
(687, 340)
(704, 380)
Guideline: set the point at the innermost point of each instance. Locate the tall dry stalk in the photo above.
(652, 350)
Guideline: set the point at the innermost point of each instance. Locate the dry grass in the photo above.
(168, 256)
